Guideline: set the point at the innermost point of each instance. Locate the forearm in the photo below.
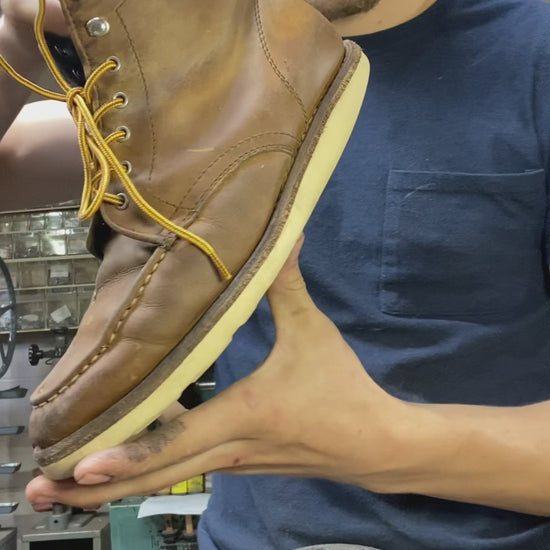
(18, 46)
(482, 455)
(39, 158)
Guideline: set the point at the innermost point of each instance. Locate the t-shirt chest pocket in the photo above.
(462, 244)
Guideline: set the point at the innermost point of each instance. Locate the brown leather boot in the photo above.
(217, 125)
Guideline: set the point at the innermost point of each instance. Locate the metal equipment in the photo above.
(8, 295)
(82, 531)
(61, 343)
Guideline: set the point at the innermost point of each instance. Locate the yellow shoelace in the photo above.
(98, 159)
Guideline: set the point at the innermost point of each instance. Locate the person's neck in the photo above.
(387, 14)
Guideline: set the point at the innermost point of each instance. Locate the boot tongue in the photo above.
(66, 59)
(98, 236)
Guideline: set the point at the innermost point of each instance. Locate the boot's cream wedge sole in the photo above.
(316, 160)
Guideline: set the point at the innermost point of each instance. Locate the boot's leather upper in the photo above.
(220, 94)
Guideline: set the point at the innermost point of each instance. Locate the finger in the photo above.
(229, 416)
(153, 450)
(25, 11)
(294, 312)
(290, 277)
(174, 410)
(290, 272)
(288, 296)
(54, 20)
(42, 492)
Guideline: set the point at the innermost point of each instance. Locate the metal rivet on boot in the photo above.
(98, 27)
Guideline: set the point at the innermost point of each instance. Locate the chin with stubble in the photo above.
(337, 9)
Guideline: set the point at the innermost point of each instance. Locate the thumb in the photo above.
(288, 296)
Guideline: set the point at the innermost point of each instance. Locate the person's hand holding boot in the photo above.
(19, 49)
(310, 410)
(23, 12)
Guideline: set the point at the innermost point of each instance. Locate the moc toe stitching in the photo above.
(113, 279)
(103, 349)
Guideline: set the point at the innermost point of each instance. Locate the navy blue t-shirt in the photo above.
(429, 251)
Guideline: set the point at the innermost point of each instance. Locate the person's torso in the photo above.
(427, 250)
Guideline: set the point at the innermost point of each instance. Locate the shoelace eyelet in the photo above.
(127, 166)
(125, 201)
(126, 130)
(117, 61)
(124, 97)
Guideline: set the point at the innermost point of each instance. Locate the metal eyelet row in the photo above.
(98, 27)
